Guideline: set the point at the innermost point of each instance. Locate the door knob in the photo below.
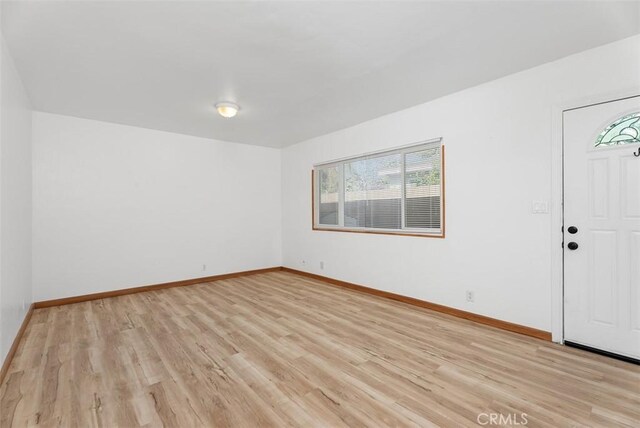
(572, 230)
(572, 245)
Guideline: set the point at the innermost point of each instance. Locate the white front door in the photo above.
(602, 226)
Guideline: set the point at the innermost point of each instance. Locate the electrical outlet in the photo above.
(470, 296)
(204, 267)
(321, 265)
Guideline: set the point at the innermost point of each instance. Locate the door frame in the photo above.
(557, 197)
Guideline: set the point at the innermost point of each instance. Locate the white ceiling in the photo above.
(298, 69)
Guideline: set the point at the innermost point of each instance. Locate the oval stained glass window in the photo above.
(625, 130)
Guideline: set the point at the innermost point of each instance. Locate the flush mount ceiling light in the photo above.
(227, 109)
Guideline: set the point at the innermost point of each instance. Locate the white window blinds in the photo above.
(423, 193)
(398, 190)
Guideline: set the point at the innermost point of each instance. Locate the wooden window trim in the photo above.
(375, 232)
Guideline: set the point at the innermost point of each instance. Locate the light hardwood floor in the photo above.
(279, 349)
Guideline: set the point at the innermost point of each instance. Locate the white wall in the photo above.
(15, 202)
(118, 206)
(498, 139)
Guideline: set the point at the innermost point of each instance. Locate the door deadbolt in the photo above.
(572, 230)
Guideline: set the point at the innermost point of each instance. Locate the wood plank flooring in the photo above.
(278, 349)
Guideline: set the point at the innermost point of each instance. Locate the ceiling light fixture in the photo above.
(227, 109)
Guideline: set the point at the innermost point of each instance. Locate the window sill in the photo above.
(381, 232)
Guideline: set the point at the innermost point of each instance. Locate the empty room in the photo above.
(319, 213)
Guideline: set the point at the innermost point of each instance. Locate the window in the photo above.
(397, 191)
(328, 180)
(625, 130)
